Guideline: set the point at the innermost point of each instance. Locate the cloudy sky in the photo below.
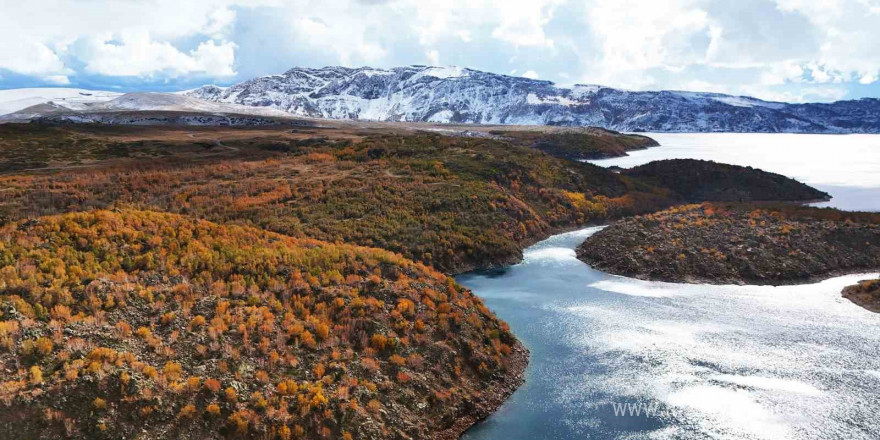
(791, 50)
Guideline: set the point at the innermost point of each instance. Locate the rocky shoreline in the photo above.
(738, 244)
(492, 399)
(865, 294)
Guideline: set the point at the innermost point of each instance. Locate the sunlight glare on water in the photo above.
(759, 362)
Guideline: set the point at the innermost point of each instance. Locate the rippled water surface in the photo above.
(845, 166)
(710, 361)
(794, 362)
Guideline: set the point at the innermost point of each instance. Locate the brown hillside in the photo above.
(139, 324)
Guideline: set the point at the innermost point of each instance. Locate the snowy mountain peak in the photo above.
(462, 95)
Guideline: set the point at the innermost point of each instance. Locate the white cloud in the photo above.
(348, 36)
(219, 22)
(869, 77)
(522, 22)
(780, 73)
(756, 43)
(635, 36)
(849, 34)
(60, 80)
(433, 57)
(137, 54)
(30, 58)
(434, 21)
(768, 47)
(118, 38)
(531, 74)
(517, 22)
(802, 94)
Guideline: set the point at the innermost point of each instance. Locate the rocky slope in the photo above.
(454, 94)
(703, 180)
(739, 243)
(136, 324)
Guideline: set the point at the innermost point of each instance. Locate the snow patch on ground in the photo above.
(75, 99)
(581, 90)
(442, 116)
(553, 100)
(446, 72)
(376, 72)
(79, 104)
(736, 101)
(189, 91)
(153, 101)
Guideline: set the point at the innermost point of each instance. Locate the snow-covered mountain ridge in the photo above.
(461, 95)
(136, 108)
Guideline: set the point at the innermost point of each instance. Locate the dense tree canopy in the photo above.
(113, 322)
(451, 202)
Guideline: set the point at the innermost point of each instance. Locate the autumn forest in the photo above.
(293, 282)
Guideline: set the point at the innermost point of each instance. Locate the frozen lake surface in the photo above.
(845, 166)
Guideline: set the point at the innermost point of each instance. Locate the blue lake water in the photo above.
(714, 361)
(750, 362)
